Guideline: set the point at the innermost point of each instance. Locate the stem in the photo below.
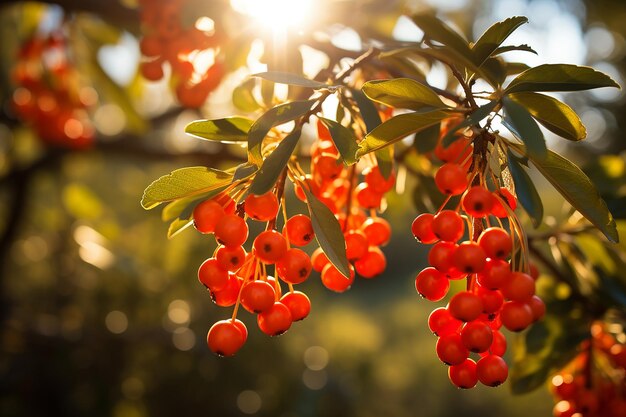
(280, 189)
(349, 202)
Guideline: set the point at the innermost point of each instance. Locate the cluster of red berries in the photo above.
(496, 294)
(335, 186)
(192, 53)
(235, 277)
(583, 389)
(48, 96)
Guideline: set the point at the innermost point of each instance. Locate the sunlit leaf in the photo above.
(328, 233)
(555, 115)
(243, 98)
(343, 139)
(397, 128)
(228, 130)
(509, 48)
(275, 116)
(493, 37)
(402, 93)
(274, 164)
(525, 128)
(436, 30)
(178, 226)
(184, 182)
(291, 79)
(526, 192)
(559, 77)
(578, 190)
(476, 117)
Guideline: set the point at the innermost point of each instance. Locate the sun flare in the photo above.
(276, 14)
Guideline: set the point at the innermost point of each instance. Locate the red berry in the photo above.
(477, 202)
(492, 300)
(537, 306)
(477, 336)
(456, 151)
(276, 320)
(448, 226)
(463, 375)
(270, 246)
(225, 337)
(519, 287)
(262, 207)
(498, 346)
(206, 215)
(451, 350)
(227, 296)
(294, 267)
(231, 230)
(299, 230)
(232, 258)
(356, 245)
(422, 228)
(496, 242)
(441, 322)
(465, 306)
(377, 182)
(516, 316)
(492, 370)
(440, 256)
(377, 231)
(327, 167)
(367, 197)
(498, 209)
(451, 179)
(469, 257)
(495, 274)
(212, 275)
(334, 280)
(152, 70)
(298, 304)
(257, 296)
(319, 260)
(432, 284)
(371, 264)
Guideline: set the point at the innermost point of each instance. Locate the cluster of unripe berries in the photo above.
(48, 96)
(336, 186)
(236, 277)
(583, 388)
(495, 295)
(185, 49)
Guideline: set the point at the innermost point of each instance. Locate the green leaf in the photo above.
(509, 48)
(559, 77)
(436, 30)
(274, 164)
(526, 191)
(555, 115)
(548, 346)
(183, 207)
(178, 226)
(368, 110)
(473, 119)
(244, 170)
(229, 130)
(275, 116)
(578, 190)
(525, 128)
(426, 140)
(328, 233)
(183, 182)
(243, 98)
(344, 140)
(402, 93)
(493, 37)
(514, 68)
(384, 160)
(397, 128)
(291, 79)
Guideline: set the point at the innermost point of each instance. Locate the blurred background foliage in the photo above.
(102, 316)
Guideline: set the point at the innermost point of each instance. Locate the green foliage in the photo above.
(274, 164)
(525, 190)
(184, 182)
(228, 130)
(526, 129)
(559, 77)
(491, 40)
(473, 119)
(344, 140)
(290, 79)
(402, 93)
(328, 233)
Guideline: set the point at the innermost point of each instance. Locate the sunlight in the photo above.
(276, 14)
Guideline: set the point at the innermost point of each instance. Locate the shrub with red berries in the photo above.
(469, 152)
